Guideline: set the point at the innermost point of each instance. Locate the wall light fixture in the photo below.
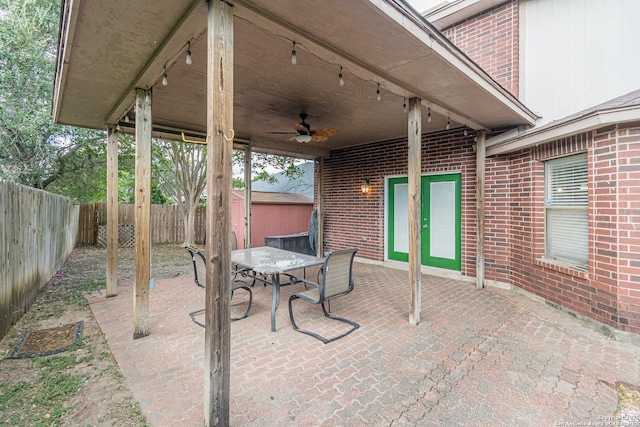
(365, 187)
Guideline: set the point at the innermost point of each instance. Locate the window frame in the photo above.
(572, 231)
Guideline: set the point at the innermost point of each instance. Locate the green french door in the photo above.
(440, 220)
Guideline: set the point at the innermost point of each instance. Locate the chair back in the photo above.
(199, 272)
(337, 278)
(234, 241)
(199, 266)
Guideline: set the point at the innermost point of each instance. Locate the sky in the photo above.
(422, 5)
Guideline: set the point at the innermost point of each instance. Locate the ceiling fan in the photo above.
(304, 133)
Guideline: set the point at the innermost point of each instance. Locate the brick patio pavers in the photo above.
(489, 357)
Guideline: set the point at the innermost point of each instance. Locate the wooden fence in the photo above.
(38, 231)
(166, 223)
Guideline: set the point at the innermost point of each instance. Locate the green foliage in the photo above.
(30, 141)
(157, 196)
(262, 163)
(238, 183)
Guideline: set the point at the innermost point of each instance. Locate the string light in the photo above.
(126, 118)
(429, 116)
(465, 130)
(340, 77)
(294, 58)
(188, 59)
(404, 104)
(448, 122)
(378, 97)
(165, 81)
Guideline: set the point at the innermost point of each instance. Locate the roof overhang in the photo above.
(450, 12)
(519, 139)
(108, 49)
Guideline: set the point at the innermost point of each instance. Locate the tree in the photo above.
(30, 141)
(181, 170)
(34, 151)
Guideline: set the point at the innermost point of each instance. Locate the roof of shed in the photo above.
(270, 198)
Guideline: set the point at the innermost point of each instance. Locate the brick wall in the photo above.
(628, 200)
(608, 290)
(355, 219)
(491, 40)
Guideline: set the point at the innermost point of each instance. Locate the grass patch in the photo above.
(53, 386)
(627, 396)
(54, 301)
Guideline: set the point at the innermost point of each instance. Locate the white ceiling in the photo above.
(108, 49)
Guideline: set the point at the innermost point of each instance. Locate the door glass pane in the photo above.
(442, 221)
(401, 218)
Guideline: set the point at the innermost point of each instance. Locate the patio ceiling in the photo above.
(108, 49)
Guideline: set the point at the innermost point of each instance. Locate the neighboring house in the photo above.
(272, 214)
(300, 185)
(562, 202)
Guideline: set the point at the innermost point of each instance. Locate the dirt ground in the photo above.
(88, 389)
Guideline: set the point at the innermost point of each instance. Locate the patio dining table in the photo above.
(271, 263)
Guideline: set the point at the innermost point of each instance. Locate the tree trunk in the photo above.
(189, 216)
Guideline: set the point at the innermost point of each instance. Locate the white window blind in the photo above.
(567, 200)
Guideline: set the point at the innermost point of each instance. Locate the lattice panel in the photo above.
(126, 235)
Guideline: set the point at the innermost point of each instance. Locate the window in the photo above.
(566, 209)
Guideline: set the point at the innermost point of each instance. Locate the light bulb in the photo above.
(404, 104)
(429, 116)
(294, 58)
(126, 119)
(188, 59)
(465, 131)
(448, 122)
(340, 78)
(165, 81)
(378, 97)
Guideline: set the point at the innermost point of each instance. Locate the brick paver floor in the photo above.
(489, 357)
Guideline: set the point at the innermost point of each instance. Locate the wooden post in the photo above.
(480, 196)
(247, 196)
(415, 254)
(112, 212)
(217, 350)
(320, 208)
(142, 252)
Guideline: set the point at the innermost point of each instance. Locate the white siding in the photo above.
(577, 53)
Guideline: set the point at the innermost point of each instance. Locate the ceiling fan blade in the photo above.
(326, 131)
(300, 128)
(319, 138)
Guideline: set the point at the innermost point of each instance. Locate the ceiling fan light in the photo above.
(294, 57)
(303, 138)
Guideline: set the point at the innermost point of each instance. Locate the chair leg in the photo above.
(193, 315)
(246, 287)
(340, 319)
(315, 335)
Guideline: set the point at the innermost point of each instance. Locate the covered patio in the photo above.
(238, 75)
(478, 358)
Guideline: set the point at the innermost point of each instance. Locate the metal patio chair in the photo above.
(199, 277)
(336, 281)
